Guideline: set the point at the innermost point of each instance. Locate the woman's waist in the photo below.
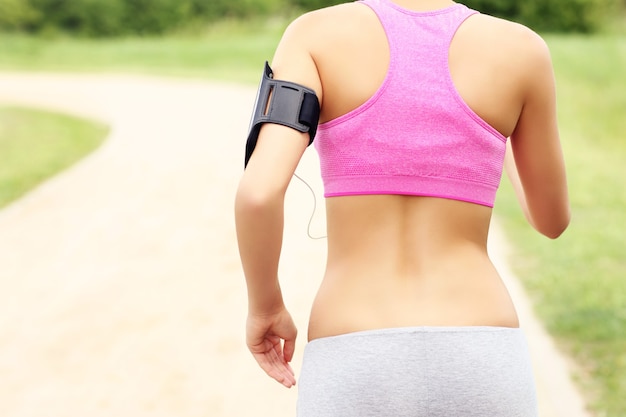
(385, 264)
(465, 297)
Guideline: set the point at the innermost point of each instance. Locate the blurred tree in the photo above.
(155, 16)
(86, 17)
(501, 8)
(17, 14)
(566, 15)
(544, 15)
(314, 4)
(215, 9)
(119, 17)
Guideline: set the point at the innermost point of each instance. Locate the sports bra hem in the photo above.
(423, 186)
(411, 194)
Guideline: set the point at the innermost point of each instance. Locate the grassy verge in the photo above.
(229, 50)
(578, 282)
(35, 145)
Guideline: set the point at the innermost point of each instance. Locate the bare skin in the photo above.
(393, 260)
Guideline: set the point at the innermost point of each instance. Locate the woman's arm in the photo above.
(259, 203)
(259, 221)
(511, 171)
(535, 162)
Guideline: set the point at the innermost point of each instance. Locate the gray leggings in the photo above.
(421, 371)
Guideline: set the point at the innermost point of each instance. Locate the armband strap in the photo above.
(284, 103)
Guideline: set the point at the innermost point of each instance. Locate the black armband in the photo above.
(284, 103)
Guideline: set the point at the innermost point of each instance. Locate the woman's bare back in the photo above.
(401, 260)
(396, 260)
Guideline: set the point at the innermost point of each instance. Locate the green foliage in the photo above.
(17, 14)
(85, 17)
(503, 8)
(566, 15)
(155, 16)
(215, 9)
(120, 17)
(113, 17)
(541, 15)
(97, 18)
(314, 4)
(551, 15)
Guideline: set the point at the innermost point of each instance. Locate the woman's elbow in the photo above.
(255, 200)
(555, 225)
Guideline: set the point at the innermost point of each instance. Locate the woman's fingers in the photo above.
(271, 339)
(275, 365)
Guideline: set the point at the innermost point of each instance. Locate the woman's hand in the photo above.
(272, 338)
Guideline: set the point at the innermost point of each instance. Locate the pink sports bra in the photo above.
(415, 135)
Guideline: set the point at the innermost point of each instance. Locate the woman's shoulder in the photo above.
(503, 40)
(343, 21)
(332, 22)
(514, 36)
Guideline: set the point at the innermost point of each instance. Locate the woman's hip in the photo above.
(418, 371)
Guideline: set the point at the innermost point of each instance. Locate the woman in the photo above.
(418, 98)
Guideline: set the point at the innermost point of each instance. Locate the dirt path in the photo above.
(120, 287)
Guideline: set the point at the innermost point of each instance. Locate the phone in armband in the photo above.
(284, 103)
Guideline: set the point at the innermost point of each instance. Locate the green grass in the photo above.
(35, 145)
(229, 50)
(579, 281)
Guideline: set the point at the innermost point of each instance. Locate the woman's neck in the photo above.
(423, 5)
